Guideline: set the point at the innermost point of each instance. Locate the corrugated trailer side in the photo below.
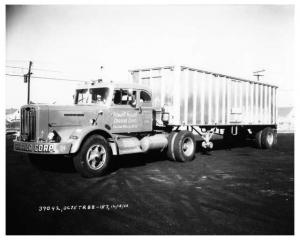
(200, 98)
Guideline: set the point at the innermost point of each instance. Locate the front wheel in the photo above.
(94, 157)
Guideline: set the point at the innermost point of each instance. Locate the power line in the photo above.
(15, 60)
(37, 69)
(48, 78)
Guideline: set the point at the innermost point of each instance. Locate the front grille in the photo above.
(28, 124)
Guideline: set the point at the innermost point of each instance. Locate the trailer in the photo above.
(208, 100)
(194, 97)
(160, 109)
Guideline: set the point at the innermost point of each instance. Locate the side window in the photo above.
(124, 97)
(117, 97)
(145, 97)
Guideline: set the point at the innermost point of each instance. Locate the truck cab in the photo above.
(122, 108)
(106, 119)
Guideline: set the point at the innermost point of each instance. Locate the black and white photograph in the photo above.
(149, 119)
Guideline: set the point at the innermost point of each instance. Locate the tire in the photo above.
(182, 146)
(170, 152)
(268, 138)
(94, 157)
(258, 142)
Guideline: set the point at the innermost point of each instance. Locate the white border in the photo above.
(142, 2)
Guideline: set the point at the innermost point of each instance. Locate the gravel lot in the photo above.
(241, 190)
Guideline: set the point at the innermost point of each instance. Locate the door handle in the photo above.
(140, 109)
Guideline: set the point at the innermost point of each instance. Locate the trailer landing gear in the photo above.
(207, 144)
(206, 136)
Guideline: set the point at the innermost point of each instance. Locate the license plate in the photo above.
(34, 147)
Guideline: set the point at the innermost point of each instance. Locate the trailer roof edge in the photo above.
(203, 71)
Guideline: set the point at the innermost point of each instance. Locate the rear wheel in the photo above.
(265, 138)
(182, 146)
(258, 139)
(94, 157)
(170, 151)
(268, 138)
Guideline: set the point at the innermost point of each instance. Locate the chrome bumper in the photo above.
(42, 148)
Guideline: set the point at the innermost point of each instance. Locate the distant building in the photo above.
(13, 116)
(286, 117)
(10, 110)
(12, 119)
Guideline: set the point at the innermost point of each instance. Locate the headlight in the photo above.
(53, 136)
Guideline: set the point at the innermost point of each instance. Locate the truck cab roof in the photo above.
(117, 85)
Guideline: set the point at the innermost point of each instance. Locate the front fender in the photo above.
(78, 136)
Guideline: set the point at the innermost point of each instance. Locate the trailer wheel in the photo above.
(268, 138)
(182, 147)
(94, 157)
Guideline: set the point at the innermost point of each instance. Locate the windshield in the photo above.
(92, 95)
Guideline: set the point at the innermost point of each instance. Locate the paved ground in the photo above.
(242, 190)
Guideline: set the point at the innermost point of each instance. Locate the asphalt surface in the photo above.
(241, 190)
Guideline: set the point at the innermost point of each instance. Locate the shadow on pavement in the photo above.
(56, 163)
(220, 144)
(64, 164)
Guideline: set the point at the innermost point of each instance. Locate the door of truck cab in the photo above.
(130, 111)
(145, 108)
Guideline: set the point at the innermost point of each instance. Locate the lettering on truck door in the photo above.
(125, 116)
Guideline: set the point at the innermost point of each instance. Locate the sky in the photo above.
(73, 42)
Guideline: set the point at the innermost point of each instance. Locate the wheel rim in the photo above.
(270, 138)
(188, 146)
(96, 156)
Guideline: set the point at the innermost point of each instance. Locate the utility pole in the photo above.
(258, 75)
(101, 73)
(27, 80)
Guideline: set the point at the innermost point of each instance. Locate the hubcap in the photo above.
(270, 138)
(188, 146)
(96, 156)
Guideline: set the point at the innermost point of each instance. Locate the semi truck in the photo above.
(161, 108)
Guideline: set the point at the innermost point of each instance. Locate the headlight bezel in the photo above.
(53, 136)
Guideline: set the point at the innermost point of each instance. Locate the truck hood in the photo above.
(72, 115)
(62, 118)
